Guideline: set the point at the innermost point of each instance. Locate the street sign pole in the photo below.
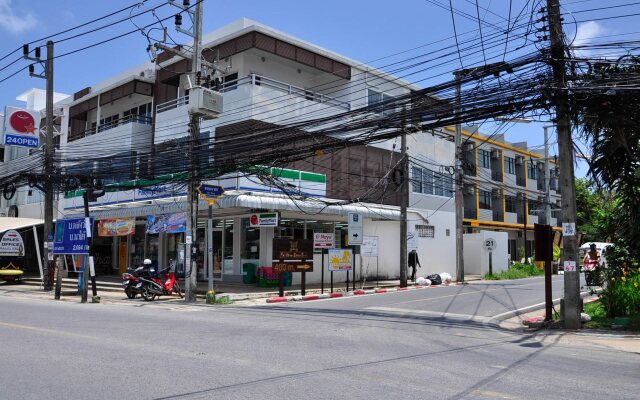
(322, 271)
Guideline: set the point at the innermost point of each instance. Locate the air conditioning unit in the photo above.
(553, 183)
(520, 196)
(495, 153)
(469, 146)
(540, 166)
(469, 189)
(558, 203)
(519, 160)
(496, 192)
(205, 103)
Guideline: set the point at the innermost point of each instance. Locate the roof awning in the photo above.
(7, 223)
(234, 199)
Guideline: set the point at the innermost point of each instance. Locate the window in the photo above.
(534, 207)
(375, 97)
(438, 185)
(485, 200)
(1, 154)
(533, 171)
(510, 165)
(416, 179)
(426, 231)
(427, 181)
(484, 157)
(230, 81)
(510, 203)
(448, 186)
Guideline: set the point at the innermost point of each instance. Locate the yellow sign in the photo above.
(340, 259)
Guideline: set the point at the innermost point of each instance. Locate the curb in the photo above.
(357, 292)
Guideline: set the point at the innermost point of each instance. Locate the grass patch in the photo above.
(517, 271)
(599, 319)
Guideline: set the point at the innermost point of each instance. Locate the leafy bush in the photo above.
(621, 289)
(517, 271)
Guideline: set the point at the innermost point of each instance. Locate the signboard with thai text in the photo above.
(71, 236)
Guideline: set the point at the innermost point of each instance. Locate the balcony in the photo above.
(132, 132)
(470, 214)
(252, 97)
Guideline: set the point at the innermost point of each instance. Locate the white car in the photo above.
(600, 246)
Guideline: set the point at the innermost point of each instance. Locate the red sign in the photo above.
(22, 122)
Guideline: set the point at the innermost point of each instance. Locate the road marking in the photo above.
(405, 311)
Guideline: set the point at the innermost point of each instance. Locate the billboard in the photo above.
(21, 127)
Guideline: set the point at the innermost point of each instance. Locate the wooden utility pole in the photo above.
(572, 301)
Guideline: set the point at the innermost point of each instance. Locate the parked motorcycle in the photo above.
(131, 282)
(591, 270)
(164, 285)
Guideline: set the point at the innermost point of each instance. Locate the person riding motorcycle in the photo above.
(591, 265)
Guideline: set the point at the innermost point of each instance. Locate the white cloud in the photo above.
(585, 34)
(14, 23)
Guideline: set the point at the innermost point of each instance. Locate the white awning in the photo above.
(7, 223)
(244, 200)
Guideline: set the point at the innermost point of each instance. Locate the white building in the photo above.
(272, 78)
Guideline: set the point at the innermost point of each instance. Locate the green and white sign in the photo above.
(264, 219)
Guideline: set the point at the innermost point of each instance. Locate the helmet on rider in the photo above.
(146, 261)
(592, 246)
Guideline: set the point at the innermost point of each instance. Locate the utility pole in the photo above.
(459, 195)
(191, 272)
(404, 202)
(572, 301)
(49, 151)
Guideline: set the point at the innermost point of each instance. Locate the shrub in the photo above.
(621, 288)
(517, 271)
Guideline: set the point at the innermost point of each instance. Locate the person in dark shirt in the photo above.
(413, 261)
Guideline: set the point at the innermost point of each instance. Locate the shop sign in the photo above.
(323, 240)
(340, 260)
(369, 246)
(117, 227)
(71, 236)
(11, 244)
(264, 219)
(292, 255)
(168, 223)
(21, 127)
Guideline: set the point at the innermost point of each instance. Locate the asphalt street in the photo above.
(391, 345)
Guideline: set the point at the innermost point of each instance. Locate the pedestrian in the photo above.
(413, 261)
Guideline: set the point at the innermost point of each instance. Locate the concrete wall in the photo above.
(476, 257)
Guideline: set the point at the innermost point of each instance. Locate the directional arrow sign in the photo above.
(292, 255)
(355, 228)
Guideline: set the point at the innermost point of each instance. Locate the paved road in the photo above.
(342, 348)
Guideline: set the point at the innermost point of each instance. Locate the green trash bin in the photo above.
(249, 273)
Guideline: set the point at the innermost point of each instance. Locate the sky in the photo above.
(385, 35)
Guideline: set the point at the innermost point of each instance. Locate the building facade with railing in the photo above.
(504, 189)
(271, 79)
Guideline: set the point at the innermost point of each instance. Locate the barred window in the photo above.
(426, 231)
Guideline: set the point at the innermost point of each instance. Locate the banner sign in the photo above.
(21, 127)
(169, 223)
(71, 236)
(292, 255)
(340, 259)
(117, 227)
(263, 219)
(323, 240)
(11, 244)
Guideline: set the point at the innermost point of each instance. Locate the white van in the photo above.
(600, 246)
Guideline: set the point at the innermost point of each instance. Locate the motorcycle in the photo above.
(591, 270)
(131, 282)
(164, 285)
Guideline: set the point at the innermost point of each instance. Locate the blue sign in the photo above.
(71, 236)
(210, 191)
(15, 140)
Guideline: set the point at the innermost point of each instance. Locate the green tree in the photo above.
(596, 212)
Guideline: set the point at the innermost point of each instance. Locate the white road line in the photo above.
(405, 311)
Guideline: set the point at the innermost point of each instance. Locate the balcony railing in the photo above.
(132, 118)
(259, 80)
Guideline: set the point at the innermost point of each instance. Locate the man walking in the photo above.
(413, 261)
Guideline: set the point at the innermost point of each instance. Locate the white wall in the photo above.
(476, 257)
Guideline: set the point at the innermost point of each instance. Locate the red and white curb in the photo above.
(358, 292)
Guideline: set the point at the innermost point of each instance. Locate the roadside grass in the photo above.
(517, 271)
(599, 319)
